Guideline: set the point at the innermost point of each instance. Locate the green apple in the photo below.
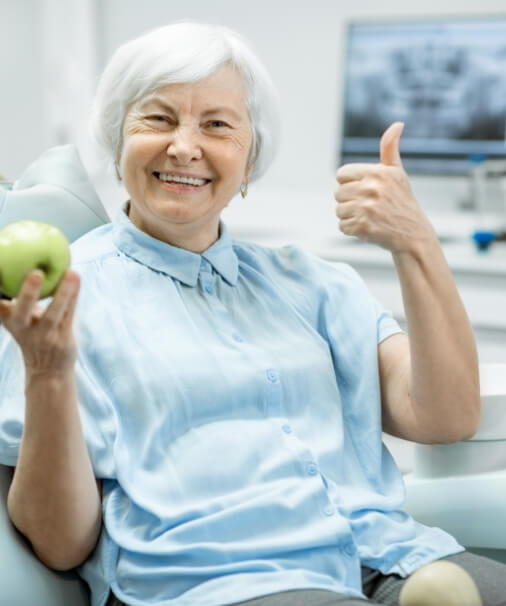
(29, 245)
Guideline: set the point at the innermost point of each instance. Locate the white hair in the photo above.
(179, 53)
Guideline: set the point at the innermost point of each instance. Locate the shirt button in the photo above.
(329, 510)
(237, 338)
(286, 428)
(205, 266)
(209, 289)
(272, 375)
(349, 549)
(312, 469)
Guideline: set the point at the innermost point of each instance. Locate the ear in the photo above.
(119, 153)
(245, 180)
(247, 172)
(117, 164)
(252, 158)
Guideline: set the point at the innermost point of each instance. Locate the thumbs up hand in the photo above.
(376, 203)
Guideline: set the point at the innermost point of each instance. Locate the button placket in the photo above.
(349, 548)
(312, 469)
(209, 284)
(329, 510)
(272, 375)
(273, 394)
(206, 277)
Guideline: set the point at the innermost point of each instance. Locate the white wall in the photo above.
(48, 70)
(21, 112)
(299, 41)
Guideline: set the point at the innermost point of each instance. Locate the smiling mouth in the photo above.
(193, 182)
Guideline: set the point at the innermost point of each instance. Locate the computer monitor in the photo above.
(445, 78)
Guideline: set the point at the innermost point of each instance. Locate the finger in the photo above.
(348, 226)
(353, 172)
(356, 227)
(27, 298)
(348, 191)
(63, 297)
(347, 210)
(66, 322)
(389, 145)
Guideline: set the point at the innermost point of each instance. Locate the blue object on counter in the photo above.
(483, 239)
(477, 158)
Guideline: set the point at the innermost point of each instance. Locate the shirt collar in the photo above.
(179, 263)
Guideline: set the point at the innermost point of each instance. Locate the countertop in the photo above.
(318, 232)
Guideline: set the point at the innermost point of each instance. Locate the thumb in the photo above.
(389, 145)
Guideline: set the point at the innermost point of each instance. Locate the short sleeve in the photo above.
(386, 324)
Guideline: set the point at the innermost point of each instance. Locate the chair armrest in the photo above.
(469, 507)
(23, 578)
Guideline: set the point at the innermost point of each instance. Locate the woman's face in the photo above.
(184, 156)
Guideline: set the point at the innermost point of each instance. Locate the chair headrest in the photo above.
(54, 189)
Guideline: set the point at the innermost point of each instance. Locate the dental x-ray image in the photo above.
(446, 80)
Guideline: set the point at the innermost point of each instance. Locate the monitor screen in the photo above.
(444, 78)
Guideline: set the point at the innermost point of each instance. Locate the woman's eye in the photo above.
(217, 124)
(160, 120)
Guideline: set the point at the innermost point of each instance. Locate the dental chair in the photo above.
(459, 487)
(54, 189)
(462, 487)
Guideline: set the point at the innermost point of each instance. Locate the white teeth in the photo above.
(177, 179)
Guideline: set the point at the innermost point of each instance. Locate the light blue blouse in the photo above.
(231, 403)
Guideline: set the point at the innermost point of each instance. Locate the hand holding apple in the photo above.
(44, 335)
(31, 245)
(34, 258)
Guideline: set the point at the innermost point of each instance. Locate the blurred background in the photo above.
(54, 50)
(344, 71)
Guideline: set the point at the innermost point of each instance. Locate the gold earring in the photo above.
(244, 190)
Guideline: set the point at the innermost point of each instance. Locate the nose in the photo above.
(184, 145)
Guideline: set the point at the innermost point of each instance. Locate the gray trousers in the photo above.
(489, 576)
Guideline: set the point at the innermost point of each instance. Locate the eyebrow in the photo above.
(155, 99)
(211, 111)
(223, 110)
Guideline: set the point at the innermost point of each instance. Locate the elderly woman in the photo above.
(202, 426)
